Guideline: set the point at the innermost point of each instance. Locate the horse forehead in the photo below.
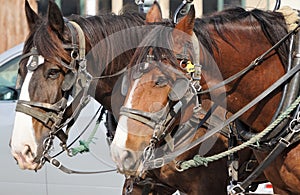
(149, 98)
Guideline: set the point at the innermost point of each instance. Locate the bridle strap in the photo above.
(53, 107)
(138, 116)
(81, 40)
(40, 116)
(148, 118)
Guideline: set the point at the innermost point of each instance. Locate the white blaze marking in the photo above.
(122, 128)
(23, 132)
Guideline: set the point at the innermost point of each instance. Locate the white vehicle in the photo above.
(49, 180)
(265, 188)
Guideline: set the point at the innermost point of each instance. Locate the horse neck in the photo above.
(240, 47)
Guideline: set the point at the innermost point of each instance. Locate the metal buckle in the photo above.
(285, 142)
(237, 190)
(158, 163)
(55, 162)
(250, 165)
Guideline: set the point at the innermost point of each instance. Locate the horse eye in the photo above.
(53, 73)
(161, 81)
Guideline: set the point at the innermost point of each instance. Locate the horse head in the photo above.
(160, 95)
(47, 73)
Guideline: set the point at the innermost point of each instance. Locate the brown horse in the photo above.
(54, 60)
(235, 38)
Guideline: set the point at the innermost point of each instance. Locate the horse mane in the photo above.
(96, 29)
(272, 24)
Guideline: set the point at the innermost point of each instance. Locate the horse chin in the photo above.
(134, 171)
(130, 173)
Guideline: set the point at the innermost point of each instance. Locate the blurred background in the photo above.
(13, 29)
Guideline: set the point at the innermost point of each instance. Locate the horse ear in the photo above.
(55, 18)
(31, 16)
(186, 24)
(154, 14)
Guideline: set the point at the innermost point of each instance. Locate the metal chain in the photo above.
(47, 145)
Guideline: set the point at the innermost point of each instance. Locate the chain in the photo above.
(47, 146)
(148, 153)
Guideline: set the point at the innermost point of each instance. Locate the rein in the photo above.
(61, 167)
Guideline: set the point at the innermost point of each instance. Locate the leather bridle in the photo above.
(162, 121)
(51, 115)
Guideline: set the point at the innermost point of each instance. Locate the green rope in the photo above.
(84, 145)
(199, 160)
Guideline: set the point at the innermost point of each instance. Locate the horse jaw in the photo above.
(23, 143)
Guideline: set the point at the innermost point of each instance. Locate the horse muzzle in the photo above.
(26, 159)
(128, 162)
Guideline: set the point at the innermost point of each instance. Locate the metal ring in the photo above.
(74, 54)
(177, 166)
(292, 126)
(180, 64)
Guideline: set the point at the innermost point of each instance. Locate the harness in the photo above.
(288, 137)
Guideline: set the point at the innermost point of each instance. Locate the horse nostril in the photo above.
(129, 160)
(28, 152)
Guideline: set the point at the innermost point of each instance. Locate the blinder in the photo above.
(124, 85)
(35, 60)
(179, 89)
(140, 69)
(69, 81)
(137, 72)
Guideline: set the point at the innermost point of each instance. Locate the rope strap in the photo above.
(200, 160)
(84, 146)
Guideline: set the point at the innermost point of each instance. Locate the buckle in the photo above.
(250, 166)
(237, 190)
(159, 162)
(285, 142)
